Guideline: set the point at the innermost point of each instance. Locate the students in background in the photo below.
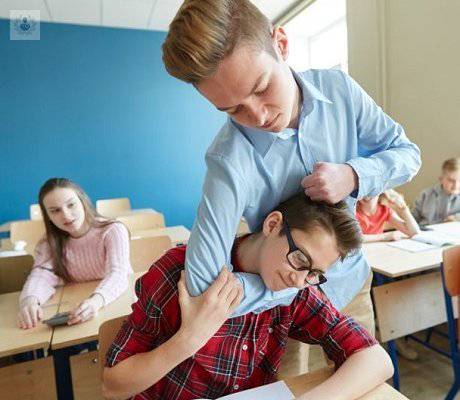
(441, 202)
(79, 246)
(174, 346)
(389, 210)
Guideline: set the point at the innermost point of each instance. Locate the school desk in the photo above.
(14, 340)
(300, 384)
(406, 303)
(179, 234)
(66, 336)
(74, 294)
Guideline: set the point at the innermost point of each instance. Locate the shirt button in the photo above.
(245, 347)
(236, 387)
(270, 330)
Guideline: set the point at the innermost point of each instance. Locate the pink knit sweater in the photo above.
(102, 253)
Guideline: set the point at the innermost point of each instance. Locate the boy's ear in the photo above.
(280, 42)
(273, 223)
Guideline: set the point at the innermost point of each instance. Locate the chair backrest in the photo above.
(145, 251)
(107, 333)
(35, 212)
(451, 265)
(113, 207)
(13, 272)
(142, 221)
(29, 231)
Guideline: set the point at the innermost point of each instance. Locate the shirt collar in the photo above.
(263, 140)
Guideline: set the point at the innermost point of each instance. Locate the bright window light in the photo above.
(318, 37)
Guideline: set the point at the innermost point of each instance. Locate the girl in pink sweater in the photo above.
(79, 246)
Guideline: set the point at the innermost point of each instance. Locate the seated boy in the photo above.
(441, 202)
(174, 346)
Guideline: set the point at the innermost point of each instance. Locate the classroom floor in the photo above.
(428, 378)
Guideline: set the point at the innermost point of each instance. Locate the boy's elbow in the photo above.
(108, 392)
(387, 365)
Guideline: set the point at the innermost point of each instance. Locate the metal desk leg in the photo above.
(380, 280)
(63, 376)
(452, 340)
(394, 358)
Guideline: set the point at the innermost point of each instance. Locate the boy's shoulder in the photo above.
(434, 190)
(159, 284)
(231, 144)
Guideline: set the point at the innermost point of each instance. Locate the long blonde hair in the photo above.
(204, 32)
(56, 237)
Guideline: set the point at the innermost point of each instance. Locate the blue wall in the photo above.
(96, 105)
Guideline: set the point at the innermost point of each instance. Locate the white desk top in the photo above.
(394, 262)
(74, 294)
(14, 340)
(301, 383)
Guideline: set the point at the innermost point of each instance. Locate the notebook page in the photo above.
(273, 391)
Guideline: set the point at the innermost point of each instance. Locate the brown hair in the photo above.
(56, 237)
(451, 165)
(204, 32)
(307, 215)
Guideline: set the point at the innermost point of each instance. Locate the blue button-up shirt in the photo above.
(250, 171)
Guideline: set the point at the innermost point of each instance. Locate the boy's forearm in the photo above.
(362, 372)
(140, 371)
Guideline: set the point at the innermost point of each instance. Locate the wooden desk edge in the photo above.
(399, 274)
(17, 350)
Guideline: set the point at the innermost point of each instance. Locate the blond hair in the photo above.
(451, 165)
(204, 32)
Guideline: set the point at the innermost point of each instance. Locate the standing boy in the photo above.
(318, 130)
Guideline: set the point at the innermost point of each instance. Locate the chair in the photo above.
(450, 269)
(13, 272)
(113, 207)
(145, 251)
(142, 221)
(35, 212)
(107, 333)
(29, 231)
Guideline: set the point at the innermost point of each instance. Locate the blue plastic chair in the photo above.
(450, 269)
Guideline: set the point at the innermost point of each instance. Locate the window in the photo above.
(318, 36)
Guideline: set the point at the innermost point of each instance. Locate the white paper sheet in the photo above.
(273, 391)
(412, 245)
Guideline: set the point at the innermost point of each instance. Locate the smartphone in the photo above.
(58, 319)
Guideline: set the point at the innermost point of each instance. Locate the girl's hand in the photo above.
(87, 310)
(394, 199)
(394, 235)
(30, 313)
(203, 315)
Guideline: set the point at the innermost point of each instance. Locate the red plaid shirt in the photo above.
(244, 353)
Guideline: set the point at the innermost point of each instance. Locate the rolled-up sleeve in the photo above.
(316, 321)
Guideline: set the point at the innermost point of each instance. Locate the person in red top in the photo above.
(387, 211)
(174, 346)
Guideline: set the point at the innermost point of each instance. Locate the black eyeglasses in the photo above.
(302, 262)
